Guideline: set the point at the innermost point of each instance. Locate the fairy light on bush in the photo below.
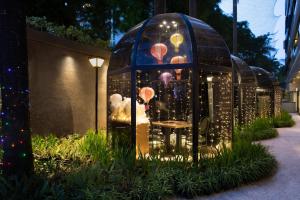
(15, 133)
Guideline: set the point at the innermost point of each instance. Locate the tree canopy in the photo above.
(101, 17)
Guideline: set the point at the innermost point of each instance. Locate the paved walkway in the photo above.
(285, 184)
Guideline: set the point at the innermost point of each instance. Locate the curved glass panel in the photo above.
(164, 112)
(165, 40)
(213, 53)
(244, 92)
(122, 53)
(277, 99)
(264, 92)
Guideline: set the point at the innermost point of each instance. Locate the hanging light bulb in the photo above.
(176, 39)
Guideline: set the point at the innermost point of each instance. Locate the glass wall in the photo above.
(244, 92)
(264, 103)
(164, 105)
(215, 116)
(264, 93)
(119, 109)
(248, 105)
(277, 99)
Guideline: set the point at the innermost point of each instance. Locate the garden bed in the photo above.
(85, 168)
(260, 129)
(283, 120)
(265, 128)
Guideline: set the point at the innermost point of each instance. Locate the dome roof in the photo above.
(243, 72)
(171, 38)
(263, 77)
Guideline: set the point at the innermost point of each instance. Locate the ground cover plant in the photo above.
(77, 167)
(264, 128)
(260, 129)
(283, 120)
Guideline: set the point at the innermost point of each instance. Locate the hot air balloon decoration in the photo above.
(166, 77)
(146, 93)
(176, 39)
(158, 51)
(178, 60)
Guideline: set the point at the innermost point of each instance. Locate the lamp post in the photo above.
(96, 63)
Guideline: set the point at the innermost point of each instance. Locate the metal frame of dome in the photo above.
(209, 54)
(245, 92)
(265, 83)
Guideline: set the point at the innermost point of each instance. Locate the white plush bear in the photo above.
(121, 109)
(115, 104)
(127, 107)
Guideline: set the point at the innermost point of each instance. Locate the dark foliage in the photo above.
(100, 18)
(85, 168)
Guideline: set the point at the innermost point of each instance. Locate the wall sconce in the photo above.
(96, 62)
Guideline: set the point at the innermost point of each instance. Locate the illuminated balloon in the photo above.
(176, 39)
(158, 51)
(146, 93)
(178, 60)
(166, 77)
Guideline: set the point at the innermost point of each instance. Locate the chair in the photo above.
(203, 130)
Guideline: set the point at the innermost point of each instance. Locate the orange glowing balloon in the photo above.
(146, 93)
(178, 60)
(158, 51)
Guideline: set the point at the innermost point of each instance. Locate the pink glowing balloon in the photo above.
(146, 93)
(178, 60)
(166, 77)
(158, 51)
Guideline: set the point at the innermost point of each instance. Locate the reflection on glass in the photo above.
(168, 106)
(215, 111)
(119, 110)
(164, 38)
(264, 106)
(210, 98)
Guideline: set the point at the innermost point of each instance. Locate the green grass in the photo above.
(260, 129)
(283, 120)
(85, 168)
(264, 128)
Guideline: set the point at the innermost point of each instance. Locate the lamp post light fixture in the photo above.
(96, 63)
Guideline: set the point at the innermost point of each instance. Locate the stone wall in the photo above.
(62, 85)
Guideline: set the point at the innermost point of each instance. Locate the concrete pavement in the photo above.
(285, 184)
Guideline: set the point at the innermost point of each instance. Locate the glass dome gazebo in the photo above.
(264, 92)
(170, 88)
(244, 106)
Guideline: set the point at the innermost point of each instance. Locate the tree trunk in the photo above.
(15, 131)
(234, 28)
(159, 7)
(193, 8)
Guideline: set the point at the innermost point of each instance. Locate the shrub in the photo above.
(93, 171)
(260, 129)
(283, 120)
(70, 32)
